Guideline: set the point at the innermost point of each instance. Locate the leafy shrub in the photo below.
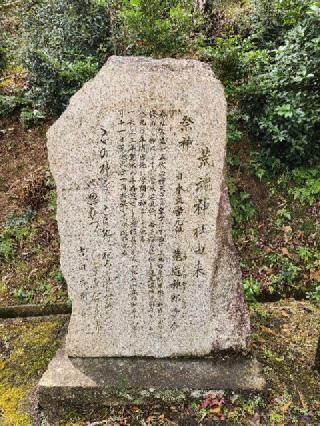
(155, 27)
(307, 187)
(289, 120)
(65, 43)
(241, 204)
(274, 77)
(7, 105)
(283, 100)
(23, 295)
(234, 134)
(286, 277)
(314, 295)
(257, 169)
(251, 289)
(272, 19)
(31, 118)
(224, 57)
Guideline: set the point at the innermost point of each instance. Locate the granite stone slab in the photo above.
(143, 213)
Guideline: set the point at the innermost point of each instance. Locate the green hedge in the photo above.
(64, 44)
(282, 96)
(155, 28)
(273, 76)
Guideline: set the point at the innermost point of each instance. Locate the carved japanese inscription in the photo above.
(138, 158)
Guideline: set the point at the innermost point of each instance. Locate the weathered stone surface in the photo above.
(88, 383)
(143, 213)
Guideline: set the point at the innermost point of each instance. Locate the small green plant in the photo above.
(46, 288)
(233, 160)
(286, 273)
(31, 118)
(5, 246)
(52, 201)
(251, 289)
(15, 229)
(23, 219)
(23, 295)
(283, 216)
(48, 292)
(256, 166)
(200, 411)
(242, 206)
(57, 276)
(233, 131)
(307, 189)
(306, 254)
(276, 418)
(7, 105)
(314, 295)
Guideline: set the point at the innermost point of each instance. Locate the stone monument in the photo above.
(146, 249)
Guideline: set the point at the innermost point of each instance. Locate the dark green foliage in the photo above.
(272, 19)
(14, 230)
(307, 185)
(31, 118)
(268, 59)
(283, 100)
(251, 289)
(9, 103)
(242, 207)
(155, 27)
(274, 77)
(65, 43)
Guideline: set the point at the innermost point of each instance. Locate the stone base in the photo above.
(84, 384)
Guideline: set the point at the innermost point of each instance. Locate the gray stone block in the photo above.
(92, 383)
(143, 213)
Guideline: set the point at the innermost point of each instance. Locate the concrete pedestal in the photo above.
(78, 384)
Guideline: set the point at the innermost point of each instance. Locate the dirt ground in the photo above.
(284, 337)
(23, 158)
(29, 241)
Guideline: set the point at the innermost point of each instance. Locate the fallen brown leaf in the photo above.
(267, 330)
(286, 407)
(314, 275)
(302, 400)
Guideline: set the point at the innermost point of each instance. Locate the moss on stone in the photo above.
(28, 347)
(10, 399)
